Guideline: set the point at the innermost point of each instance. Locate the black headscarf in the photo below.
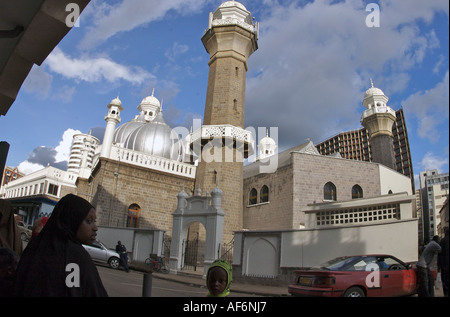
(42, 267)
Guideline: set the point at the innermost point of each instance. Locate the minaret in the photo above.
(378, 120)
(222, 143)
(112, 119)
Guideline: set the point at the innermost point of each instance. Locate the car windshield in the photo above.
(353, 263)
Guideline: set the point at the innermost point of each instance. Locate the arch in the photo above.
(329, 191)
(262, 250)
(207, 210)
(133, 216)
(357, 192)
(253, 197)
(264, 194)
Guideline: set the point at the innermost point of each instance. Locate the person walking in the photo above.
(425, 278)
(9, 234)
(443, 262)
(55, 264)
(122, 250)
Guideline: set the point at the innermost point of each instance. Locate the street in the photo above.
(119, 283)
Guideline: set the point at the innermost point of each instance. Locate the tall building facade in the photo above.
(434, 187)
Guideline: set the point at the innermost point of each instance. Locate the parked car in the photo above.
(25, 231)
(357, 276)
(100, 253)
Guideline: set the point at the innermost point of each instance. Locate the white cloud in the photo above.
(28, 168)
(314, 63)
(94, 69)
(431, 161)
(42, 156)
(430, 108)
(129, 14)
(38, 81)
(65, 145)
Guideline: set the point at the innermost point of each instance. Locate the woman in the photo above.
(54, 262)
(9, 234)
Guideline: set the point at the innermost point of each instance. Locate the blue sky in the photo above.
(308, 77)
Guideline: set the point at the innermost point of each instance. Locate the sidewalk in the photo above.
(195, 278)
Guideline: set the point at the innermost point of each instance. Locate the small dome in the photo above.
(228, 4)
(373, 91)
(156, 138)
(116, 102)
(150, 101)
(233, 12)
(267, 141)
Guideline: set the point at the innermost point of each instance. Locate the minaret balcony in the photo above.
(375, 110)
(241, 139)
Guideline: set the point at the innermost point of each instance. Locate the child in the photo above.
(218, 279)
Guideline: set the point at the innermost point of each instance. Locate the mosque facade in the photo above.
(133, 177)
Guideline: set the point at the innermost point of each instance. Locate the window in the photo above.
(329, 191)
(253, 197)
(133, 216)
(264, 198)
(357, 192)
(52, 189)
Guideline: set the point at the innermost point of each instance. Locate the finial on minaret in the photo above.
(371, 82)
(153, 92)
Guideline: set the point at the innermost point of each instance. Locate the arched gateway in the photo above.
(204, 209)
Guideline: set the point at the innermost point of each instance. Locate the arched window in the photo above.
(264, 195)
(329, 191)
(253, 198)
(357, 192)
(133, 216)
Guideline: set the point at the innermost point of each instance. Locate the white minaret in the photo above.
(267, 147)
(112, 119)
(378, 119)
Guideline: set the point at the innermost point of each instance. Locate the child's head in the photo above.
(218, 278)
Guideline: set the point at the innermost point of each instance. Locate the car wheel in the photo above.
(114, 263)
(354, 292)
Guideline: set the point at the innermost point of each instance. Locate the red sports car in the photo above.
(357, 276)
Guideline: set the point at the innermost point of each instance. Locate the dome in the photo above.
(228, 4)
(232, 12)
(373, 91)
(150, 101)
(156, 138)
(123, 131)
(267, 141)
(116, 102)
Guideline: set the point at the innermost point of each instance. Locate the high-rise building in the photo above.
(434, 192)
(356, 145)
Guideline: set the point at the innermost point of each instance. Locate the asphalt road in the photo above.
(119, 283)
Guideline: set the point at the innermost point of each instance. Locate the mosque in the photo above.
(134, 177)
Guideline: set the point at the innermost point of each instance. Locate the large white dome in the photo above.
(156, 138)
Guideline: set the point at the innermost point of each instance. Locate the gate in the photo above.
(193, 253)
(226, 251)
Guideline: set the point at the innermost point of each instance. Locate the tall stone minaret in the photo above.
(378, 120)
(222, 143)
(112, 119)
